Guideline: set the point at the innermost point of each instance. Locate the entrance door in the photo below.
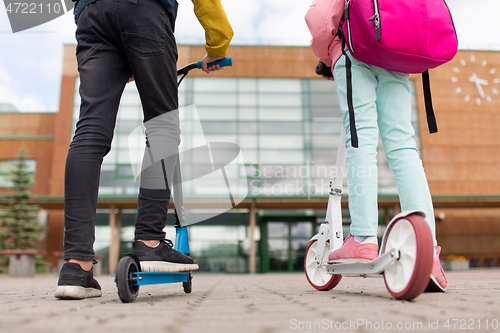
(285, 241)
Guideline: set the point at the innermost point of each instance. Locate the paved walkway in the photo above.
(254, 303)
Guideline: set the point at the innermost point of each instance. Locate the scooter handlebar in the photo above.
(224, 62)
(322, 69)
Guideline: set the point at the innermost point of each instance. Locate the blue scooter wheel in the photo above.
(188, 285)
(126, 280)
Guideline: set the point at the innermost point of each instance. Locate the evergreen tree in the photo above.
(20, 228)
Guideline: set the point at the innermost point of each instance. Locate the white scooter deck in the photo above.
(375, 266)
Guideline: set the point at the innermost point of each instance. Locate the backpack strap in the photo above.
(429, 110)
(348, 74)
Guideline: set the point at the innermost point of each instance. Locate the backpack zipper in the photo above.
(376, 19)
(348, 22)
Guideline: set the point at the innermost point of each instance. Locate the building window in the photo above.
(287, 129)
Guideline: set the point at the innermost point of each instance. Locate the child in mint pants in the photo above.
(382, 104)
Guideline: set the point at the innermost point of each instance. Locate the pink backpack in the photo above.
(406, 36)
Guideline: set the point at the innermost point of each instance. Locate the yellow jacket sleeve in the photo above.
(218, 31)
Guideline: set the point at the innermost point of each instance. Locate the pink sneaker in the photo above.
(352, 251)
(438, 281)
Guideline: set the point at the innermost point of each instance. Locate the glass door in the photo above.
(285, 244)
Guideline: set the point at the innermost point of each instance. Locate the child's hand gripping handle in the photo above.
(322, 69)
(228, 61)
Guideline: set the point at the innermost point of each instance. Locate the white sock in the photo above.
(360, 239)
(156, 245)
(366, 239)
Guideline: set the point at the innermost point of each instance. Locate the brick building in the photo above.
(287, 122)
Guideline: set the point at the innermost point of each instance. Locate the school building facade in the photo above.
(256, 211)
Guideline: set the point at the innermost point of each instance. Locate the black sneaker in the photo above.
(162, 258)
(75, 283)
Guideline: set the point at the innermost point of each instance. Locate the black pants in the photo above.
(116, 38)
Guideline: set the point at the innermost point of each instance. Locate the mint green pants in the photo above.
(382, 104)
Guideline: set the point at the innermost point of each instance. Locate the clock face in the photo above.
(482, 83)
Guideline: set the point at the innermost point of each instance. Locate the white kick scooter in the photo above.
(405, 255)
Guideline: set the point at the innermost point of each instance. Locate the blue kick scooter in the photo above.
(128, 276)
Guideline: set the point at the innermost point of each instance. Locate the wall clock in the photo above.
(482, 84)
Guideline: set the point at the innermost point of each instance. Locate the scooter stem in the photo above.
(334, 210)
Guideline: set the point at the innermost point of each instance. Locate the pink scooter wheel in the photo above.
(317, 275)
(408, 277)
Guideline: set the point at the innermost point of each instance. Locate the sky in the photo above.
(31, 61)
